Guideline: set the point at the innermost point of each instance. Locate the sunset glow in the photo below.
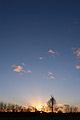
(39, 107)
(40, 52)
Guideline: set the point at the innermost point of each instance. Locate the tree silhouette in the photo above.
(71, 109)
(51, 103)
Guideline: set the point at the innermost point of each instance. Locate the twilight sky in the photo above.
(40, 51)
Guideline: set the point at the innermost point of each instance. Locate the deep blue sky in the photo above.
(42, 38)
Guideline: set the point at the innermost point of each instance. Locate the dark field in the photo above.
(38, 116)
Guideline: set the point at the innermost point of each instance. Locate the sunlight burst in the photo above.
(39, 107)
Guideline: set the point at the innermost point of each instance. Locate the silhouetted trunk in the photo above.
(52, 105)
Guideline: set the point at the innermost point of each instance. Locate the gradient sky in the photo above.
(40, 51)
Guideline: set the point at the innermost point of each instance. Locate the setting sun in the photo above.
(39, 107)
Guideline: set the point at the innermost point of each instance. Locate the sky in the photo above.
(40, 51)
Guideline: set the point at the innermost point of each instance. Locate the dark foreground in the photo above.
(39, 116)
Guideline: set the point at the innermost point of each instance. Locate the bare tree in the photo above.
(71, 109)
(51, 103)
(67, 108)
(75, 109)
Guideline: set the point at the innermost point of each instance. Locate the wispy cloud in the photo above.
(76, 51)
(77, 67)
(41, 58)
(50, 75)
(53, 53)
(24, 71)
(23, 64)
(28, 71)
(14, 66)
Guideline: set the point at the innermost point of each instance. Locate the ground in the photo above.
(38, 116)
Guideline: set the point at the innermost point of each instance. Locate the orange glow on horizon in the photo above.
(39, 107)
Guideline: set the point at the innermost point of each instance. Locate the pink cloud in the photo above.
(77, 67)
(18, 69)
(29, 71)
(51, 51)
(51, 77)
(41, 58)
(49, 73)
(76, 51)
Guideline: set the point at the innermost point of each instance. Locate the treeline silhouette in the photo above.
(51, 107)
(4, 107)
